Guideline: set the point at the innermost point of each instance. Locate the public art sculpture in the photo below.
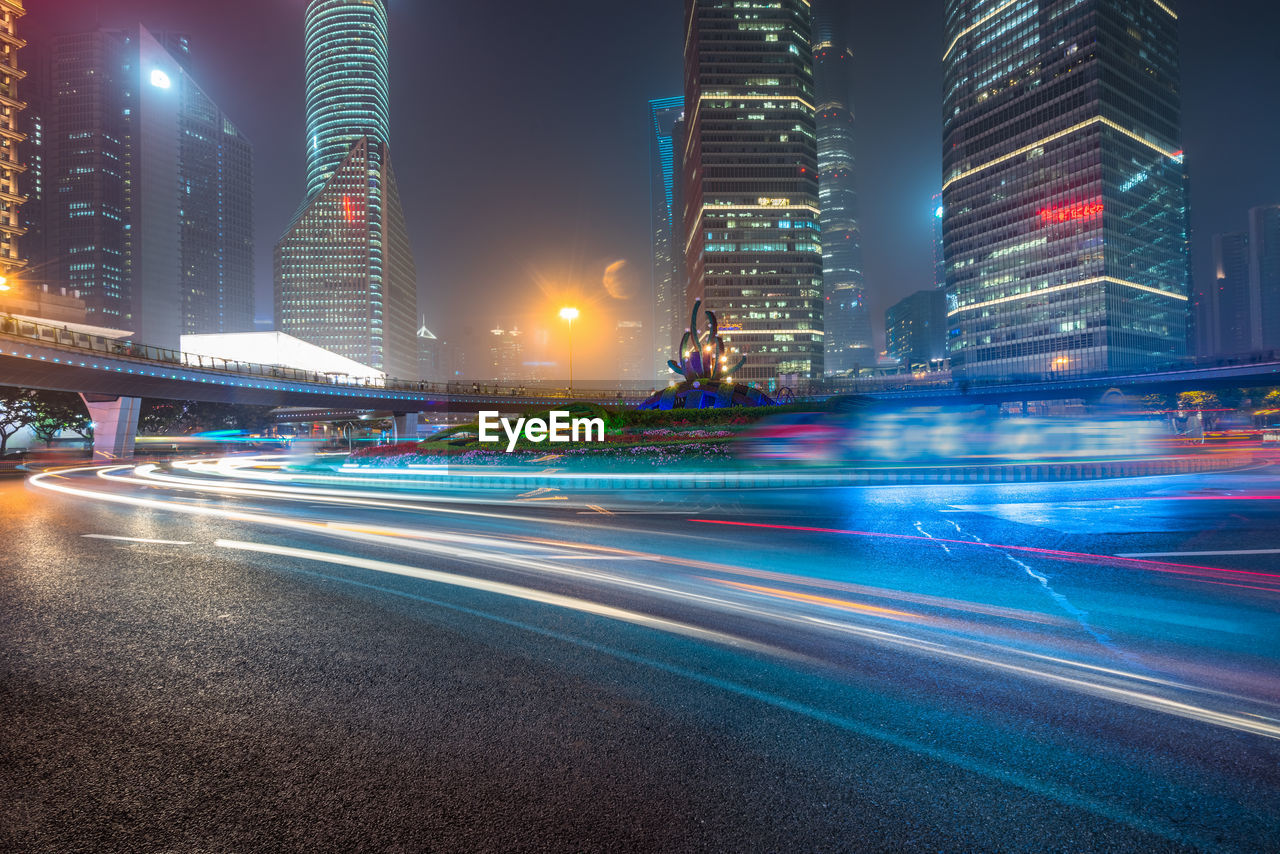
(703, 362)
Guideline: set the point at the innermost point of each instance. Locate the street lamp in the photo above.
(570, 314)
(4, 285)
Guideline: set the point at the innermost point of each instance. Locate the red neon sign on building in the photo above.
(1071, 213)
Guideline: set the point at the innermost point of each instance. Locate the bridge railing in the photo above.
(63, 337)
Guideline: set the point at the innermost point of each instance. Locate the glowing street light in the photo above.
(4, 285)
(570, 314)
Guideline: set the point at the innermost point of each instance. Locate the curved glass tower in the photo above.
(345, 278)
(347, 82)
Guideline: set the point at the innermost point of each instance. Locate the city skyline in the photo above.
(1229, 172)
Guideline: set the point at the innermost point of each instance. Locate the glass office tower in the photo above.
(145, 188)
(348, 82)
(750, 168)
(345, 279)
(1064, 196)
(847, 319)
(669, 314)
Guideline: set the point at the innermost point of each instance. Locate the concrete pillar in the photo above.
(115, 425)
(406, 426)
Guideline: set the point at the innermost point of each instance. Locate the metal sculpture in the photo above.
(705, 359)
(703, 362)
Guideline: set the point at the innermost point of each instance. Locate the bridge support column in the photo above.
(406, 426)
(115, 425)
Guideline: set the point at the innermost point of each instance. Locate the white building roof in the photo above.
(277, 350)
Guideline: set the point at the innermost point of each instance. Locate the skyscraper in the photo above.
(146, 189)
(345, 278)
(1065, 200)
(1264, 272)
(754, 252)
(847, 319)
(916, 328)
(668, 254)
(11, 198)
(939, 255)
(1233, 310)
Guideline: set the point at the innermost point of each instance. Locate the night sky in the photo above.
(520, 136)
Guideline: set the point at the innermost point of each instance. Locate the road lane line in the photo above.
(138, 540)
(1202, 554)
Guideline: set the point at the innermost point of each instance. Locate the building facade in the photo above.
(630, 343)
(145, 188)
(345, 278)
(750, 172)
(1264, 272)
(1229, 329)
(916, 328)
(12, 221)
(668, 250)
(847, 319)
(1064, 194)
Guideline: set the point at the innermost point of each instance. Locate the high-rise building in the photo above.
(754, 253)
(630, 347)
(1065, 198)
(506, 355)
(34, 151)
(11, 136)
(345, 278)
(939, 255)
(1264, 272)
(847, 319)
(146, 189)
(668, 253)
(1228, 328)
(916, 328)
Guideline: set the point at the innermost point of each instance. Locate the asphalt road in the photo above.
(204, 661)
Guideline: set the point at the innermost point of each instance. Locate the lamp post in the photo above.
(570, 314)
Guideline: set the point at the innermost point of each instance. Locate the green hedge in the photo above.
(621, 418)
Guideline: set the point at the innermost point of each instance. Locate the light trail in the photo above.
(1196, 572)
(1082, 677)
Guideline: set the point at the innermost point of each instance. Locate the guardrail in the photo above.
(66, 338)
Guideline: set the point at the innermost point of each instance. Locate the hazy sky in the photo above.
(520, 135)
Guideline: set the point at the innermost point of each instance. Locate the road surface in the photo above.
(211, 658)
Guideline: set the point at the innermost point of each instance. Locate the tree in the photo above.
(1200, 400)
(1272, 399)
(55, 411)
(15, 413)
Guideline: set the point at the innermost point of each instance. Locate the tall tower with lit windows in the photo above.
(11, 199)
(143, 187)
(847, 319)
(750, 171)
(1064, 189)
(345, 278)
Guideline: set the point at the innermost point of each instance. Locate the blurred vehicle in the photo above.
(815, 436)
(942, 435)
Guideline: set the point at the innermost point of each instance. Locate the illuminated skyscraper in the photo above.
(751, 182)
(11, 135)
(345, 278)
(145, 188)
(1065, 200)
(847, 319)
(669, 312)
